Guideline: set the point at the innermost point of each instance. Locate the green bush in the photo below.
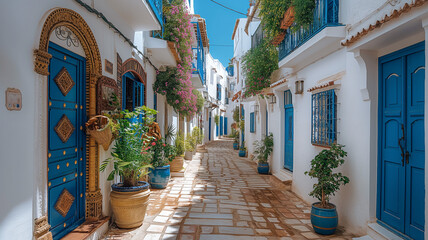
(322, 168)
(179, 144)
(264, 148)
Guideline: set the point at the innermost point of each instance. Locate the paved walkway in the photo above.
(222, 197)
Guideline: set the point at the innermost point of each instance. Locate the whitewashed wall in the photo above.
(23, 133)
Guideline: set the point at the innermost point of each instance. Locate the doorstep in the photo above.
(89, 230)
(378, 232)
(284, 176)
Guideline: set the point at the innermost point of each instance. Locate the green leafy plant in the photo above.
(243, 147)
(199, 100)
(216, 119)
(258, 64)
(322, 168)
(272, 13)
(264, 148)
(242, 125)
(190, 143)
(198, 136)
(179, 144)
(162, 153)
(304, 13)
(170, 133)
(236, 114)
(129, 159)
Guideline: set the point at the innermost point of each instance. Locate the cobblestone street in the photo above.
(222, 197)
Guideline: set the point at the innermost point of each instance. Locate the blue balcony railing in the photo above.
(157, 6)
(198, 62)
(326, 14)
(229, 71)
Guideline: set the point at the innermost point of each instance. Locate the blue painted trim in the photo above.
(252, 123)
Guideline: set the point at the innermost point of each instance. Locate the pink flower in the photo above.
(153, 143)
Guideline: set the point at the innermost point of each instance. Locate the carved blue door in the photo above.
(288, 133)
(225, 126)
(66, 141)
(401, 198)
(209, 128)
(221, 125)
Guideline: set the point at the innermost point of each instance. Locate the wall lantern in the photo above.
(272, 99)
(205, 95)
(256, 108)
(299, 87)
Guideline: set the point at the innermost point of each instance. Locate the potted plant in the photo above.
(243, 150)
(129, 198)
(324, 215)
(163, 154)
(178, 161)
(189, 146)
(263, 149)
(235, 140)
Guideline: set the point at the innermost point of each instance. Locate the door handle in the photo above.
(401, 147)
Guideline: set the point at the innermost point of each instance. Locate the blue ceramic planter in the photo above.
(263, 168)
(159, 177)
(236, 146)
(242, 153)
(324, 221)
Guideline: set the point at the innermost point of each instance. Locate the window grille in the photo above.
(324, 118)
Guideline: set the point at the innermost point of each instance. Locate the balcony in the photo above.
(316, 41)
(140, 15)
(198, 62)
(257, 37)
(230, 71)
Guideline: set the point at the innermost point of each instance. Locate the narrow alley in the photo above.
(222, 197)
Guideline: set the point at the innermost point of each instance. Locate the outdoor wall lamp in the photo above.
(299, 87)
(256, 108)
(272, 99)
(205, 95)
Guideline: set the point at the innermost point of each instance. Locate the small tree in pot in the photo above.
(263, 149)
(177, 163)
(324, 215)
(129, 198)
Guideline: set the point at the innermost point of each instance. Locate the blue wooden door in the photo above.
(288, 131)
(401, 198)
(66, 141)
(225, 126)
(209, 128)
(221, 125)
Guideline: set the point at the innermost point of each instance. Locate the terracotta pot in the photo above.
(177, 164)
(129, 204)
(188, 155)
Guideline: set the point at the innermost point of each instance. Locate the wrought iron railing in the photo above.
(156, 6)
(326, 14)
(198, 62)
(229, 71)
(257, 37)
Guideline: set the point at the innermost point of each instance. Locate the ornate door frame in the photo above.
(73, 21)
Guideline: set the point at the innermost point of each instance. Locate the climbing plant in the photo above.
(175, 82)
(304, 12)
(216, 119)
(257, 66)
(272, 12)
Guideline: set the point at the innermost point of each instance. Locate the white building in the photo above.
(55, 75)
(216, 96)
(363, 76)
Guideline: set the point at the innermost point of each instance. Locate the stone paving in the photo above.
(222, 197)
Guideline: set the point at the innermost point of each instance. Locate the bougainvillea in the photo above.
(178, 29)
(258, 65)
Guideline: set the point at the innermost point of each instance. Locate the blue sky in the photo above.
(220, 23)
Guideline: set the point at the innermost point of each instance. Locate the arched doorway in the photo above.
(73, 192)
